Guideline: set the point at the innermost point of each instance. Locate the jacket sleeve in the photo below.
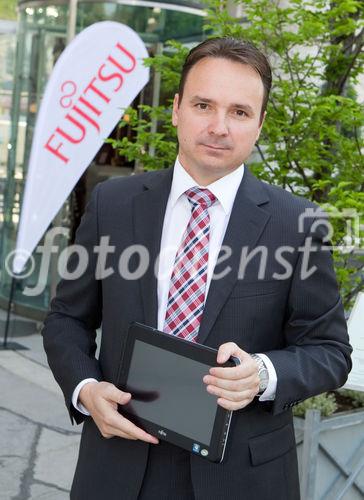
(69, 333)
(317, 353)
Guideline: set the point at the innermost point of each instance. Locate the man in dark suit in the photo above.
(264, 291)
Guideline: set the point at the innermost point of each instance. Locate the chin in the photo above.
(214, 163)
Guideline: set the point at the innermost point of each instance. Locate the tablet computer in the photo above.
(169, 400)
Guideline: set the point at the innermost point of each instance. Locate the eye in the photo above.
(202, 105)
(241, 113)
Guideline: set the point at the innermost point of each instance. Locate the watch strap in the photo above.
(262, 372)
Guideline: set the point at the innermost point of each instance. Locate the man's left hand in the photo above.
(237, 386)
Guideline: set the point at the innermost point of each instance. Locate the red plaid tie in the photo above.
(186, 296)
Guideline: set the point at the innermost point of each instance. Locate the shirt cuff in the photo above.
(79, 406)
(270, 393)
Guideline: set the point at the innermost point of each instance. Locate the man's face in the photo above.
(218, 120)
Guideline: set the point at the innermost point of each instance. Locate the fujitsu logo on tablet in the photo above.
(163, 433)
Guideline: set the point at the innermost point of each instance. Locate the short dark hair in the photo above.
(233, 49)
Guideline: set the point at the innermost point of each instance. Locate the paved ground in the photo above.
(38, 444)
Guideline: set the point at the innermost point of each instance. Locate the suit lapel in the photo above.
(247, 221)
(148, 213)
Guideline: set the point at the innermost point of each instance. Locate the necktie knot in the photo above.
(200, 197)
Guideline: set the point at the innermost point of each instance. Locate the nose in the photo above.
(218, 125)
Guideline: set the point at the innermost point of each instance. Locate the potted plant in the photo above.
(329, 432)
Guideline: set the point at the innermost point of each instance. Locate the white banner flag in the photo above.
(96, 77)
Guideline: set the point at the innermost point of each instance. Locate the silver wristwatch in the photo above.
(262, 372)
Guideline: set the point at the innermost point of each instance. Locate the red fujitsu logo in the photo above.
(88, 108)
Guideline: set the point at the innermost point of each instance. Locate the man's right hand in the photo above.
(101, 400)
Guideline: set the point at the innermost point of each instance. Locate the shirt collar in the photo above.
(224, 188)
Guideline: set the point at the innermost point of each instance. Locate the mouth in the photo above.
(215, 148)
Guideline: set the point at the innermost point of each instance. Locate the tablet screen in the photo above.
(185, 406)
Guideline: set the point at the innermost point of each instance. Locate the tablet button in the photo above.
(204, 452)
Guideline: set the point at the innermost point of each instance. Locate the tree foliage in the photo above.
(8, 10)
(311, 143)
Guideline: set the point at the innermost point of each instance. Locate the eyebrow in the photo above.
(245, 107)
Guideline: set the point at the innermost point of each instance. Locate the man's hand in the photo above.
(235, 387)
(101, 400)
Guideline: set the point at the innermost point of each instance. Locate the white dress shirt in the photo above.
(177, 216)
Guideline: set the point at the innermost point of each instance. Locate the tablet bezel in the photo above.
(213, 451)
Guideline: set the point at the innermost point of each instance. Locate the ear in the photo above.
(261, 126)
(175, 110)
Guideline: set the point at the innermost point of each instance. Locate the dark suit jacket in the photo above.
(298, 323)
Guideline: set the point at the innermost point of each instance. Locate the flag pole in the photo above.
(10, 345)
